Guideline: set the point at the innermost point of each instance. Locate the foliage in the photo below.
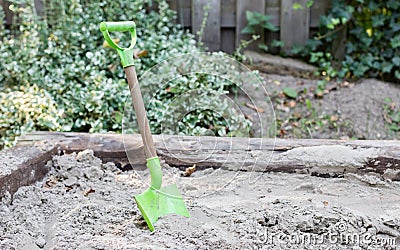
(26, 109)
(391, 115)
(256, 20)
(238, 54)
(373, 40)
(184, 98)
(198, 100)
(312, 121)
(289, 92)
(62, 55)
(298, 6)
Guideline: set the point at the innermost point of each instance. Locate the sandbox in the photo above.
(84, 202)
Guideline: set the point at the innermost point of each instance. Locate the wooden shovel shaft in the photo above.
(140, 110)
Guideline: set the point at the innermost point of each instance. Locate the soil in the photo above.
(346, 110)
(84, 203)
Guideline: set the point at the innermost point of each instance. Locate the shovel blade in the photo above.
(155, 203)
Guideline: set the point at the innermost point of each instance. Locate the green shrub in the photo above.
(373, 40)
(184, 98)
(24, 110)
(257, 21)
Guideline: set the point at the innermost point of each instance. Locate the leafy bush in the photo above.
(62, 54)
(184, 98)
(373, 40)
(256, 20)
(24, 110)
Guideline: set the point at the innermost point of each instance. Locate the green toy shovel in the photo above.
(156, 201)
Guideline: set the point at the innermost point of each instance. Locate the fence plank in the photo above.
(294, 24)
(338, 47)
(228, 40)
(183, 9)
(8, 14)
(317, 10)
(39, 7)
(273, 8)
(241, 7)
(211, 36)
(2, 6)
(228, 13)
(173, 5)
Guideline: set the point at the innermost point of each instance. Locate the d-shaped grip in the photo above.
(126, 54)
(118, 26)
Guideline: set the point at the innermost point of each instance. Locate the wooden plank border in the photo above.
(24, 165)
(235, 153)
(28, 159)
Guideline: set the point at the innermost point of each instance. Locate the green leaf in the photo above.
(269, 26)
(253, 22)
(308, 103)
(296, 49)
(386, 67)
(249, 15)
(395, 117)
(394, 127)
(297, 6)
(316, 56)
(396, 60)
(378, 20)
(289, 92)
(277, 43)
(387, 99)
(118, 117)
(393, 4)
(309, 3)
(395, 42)
(397, 74)
(335, 21)
(263, 46)
(266, 18)
(248, 30)
(360, 70)
(258, 15)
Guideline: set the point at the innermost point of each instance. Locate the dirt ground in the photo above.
(86, 204)
(346, 110)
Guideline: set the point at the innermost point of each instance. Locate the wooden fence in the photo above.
(226, 19)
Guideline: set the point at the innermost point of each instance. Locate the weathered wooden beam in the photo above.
(26, 163)
(335, 157)
(23, 165)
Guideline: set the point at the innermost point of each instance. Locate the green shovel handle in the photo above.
(126, 54)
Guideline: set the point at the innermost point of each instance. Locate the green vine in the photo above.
(372, 45)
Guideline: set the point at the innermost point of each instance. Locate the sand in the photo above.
(84, 203)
